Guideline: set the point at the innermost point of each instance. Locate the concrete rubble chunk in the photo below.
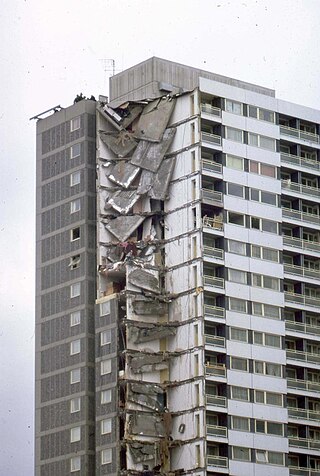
(122, 227)
(123, 200)
(142, 451)
(149, 155)
(146, 332)
(148, 362)
(121, 144)
(154, 119)
(110, 115)
(149, 307)
(146, 181)
(147, 395)
(144, 279)
(146, 424)
(122, 173)
(161, 182)
(129, 113)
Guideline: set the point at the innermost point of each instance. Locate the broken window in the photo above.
(74, 262)
(75, 233)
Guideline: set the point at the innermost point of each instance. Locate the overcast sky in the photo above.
(52, 50)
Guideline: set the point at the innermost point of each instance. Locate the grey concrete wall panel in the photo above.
(58, 386)
(142, 451)
(123, 173)
(154, 119)
(149, 307)
(147, 395)
(123, 200)
(148, 362)
(146, 425)
(146, 332)
(160, 185)
(121, 144)
(122, 227)
(149, 155)
(145, 280)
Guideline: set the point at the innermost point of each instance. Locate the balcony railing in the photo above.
(214, 311)
(212, 252)
(297, 187)
(302, 327)
(303, 356)
(303, 385)
(301, 161)
(304, 443)
(211, 166)
(214, 430)
(213, 281)
(215, 340)
(216, 400)
(299, 243)
(302, 413)
(211, 195)
(301, 271)
(301, 299)
(299, 215)
(212, 138)
(298, 471)
(212, 222)
(216, 370)
(290, 131)
(209, 109)
(219, 461)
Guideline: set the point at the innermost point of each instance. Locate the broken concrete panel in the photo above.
(147, 395)
(122, 173)
(142, 451)
(145, 280)
(146, 425)
(154, 119)
(146, 181)
(149, 155)
(110, 115)
(148, 362)
(121, 144)
(123, 227)
(123, 200)
(149, 307)
(131, 113)
(159, 189)
(146, 332)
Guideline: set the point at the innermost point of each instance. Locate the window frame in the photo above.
(75, 347)
(72, 232)
(105, 363)
(75, 289)
(75, 123)
(75, 464)
(75, 318)
(106, 333)
(75, 205)
(106, 426)
(75, 375)
(105, 452)
(104, 401)
(75, 178)
(75, 434)
(75, 404)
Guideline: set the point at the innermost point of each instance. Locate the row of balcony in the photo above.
(293, 214)
(299, 188)
(301, 299)
(303, 356)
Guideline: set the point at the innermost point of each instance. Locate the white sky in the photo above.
(52, 50)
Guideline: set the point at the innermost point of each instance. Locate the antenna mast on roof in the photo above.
(109, 64)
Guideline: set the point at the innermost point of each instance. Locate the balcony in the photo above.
(213, 281)
(297, 133)
(303, 385)
(209, 109)
(304, 443)
(210, 252)
(214, 311)
(211, 138)
(301, 161)
(219, 461)
(212, 222)
(299, 243)
(301, 299)
(301, 271)
(299, 215)
(302, 327)
(297, 187)
(212, 196)
(214, 430)
(210, 166)
(215, 340)
(218, 370)
(297, 471)
(216, 400)
(302, 413)
(303, 356)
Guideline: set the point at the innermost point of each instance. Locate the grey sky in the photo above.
(50, 51)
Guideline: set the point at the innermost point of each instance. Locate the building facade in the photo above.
(178, 280)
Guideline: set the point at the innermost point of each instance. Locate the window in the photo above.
(238, 305)
(75, 234)
(261, 114)
(242, 454)
(105, 396)
(238, 334)
(237, 247)
(240, 423)
(75, 376)
(233, 106)
(235, 190)
(263, 142)
(75, 205)
(105, 308)
(106, 456)
(265, 310)
(267, 368)
(75, 347)
(267, 254)
(75, 405)
(75, 464)
(74, 262)
(271, 457)
(263, 197)
(234, 134)
(105, 337)
(269, 427)
(75, 124)
(234, 162)
(264, 225)
(75, 290)
(106, 367)
(236, 363)
(269, 340)
(106, 426)
(240, 393)
(75, 151)
(75, 178)
(266, 282)
(75, 434)
(268, 398)
(75, 318)
(237, 276)
(235, 218)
